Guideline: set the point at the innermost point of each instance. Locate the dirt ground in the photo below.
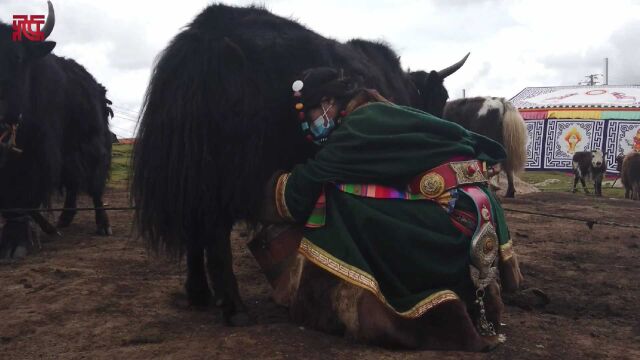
(85, 296)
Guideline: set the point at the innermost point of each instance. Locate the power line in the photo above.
(119, 117)
(124, 110)
(125, 114)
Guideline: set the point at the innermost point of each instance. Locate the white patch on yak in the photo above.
(597, 158)
(491, 103)
(576, 168)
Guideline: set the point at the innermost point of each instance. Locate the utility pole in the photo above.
(592, 80)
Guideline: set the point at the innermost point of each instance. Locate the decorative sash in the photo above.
(447, 200)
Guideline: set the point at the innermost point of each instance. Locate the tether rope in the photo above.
(589, 222)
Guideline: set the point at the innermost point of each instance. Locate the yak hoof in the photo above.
(527, 299)
(574, 191)
(63, 222)
(199, 296)
(10, 252)
(199, 301)
(18, 239)
(493, 342)
(104, 231)
(219, 301)
(237, 319)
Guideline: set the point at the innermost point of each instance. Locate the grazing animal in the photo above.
(589, 164)
(55, 130)
(497, 119)
(630, 175)
(218, 120)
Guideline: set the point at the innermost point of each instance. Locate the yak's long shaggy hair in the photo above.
(218, 120)
(64, 129)
(514, 135)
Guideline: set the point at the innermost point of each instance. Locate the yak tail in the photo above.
(514, 134)
(197, 156)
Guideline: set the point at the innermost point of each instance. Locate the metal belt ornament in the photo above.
(436, 181)
(484, 253)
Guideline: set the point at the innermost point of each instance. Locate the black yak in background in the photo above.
(629, 167)
(218, 121)
(55, 135)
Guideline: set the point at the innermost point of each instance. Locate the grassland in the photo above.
(120, 163)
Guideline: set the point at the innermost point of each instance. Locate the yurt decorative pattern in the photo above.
(563, 120)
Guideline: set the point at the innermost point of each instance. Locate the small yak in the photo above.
(589, 164)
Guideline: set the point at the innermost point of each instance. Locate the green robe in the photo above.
(408, 253)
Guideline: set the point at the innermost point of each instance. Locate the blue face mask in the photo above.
(322, 126)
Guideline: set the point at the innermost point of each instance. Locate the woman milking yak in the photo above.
(399, 241)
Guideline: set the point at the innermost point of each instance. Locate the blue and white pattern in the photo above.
(535, 134)
(558, 152)
(620, 139)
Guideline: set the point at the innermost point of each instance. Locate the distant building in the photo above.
(564, 119)
(127, 141)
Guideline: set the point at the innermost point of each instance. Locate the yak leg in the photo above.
(597, 184)
(44, 224)
(18, 237)
(70, 202)
(584, 185)
(575, 183)
(102, 219)
(511, 189)
(196, 286)
(225, 285)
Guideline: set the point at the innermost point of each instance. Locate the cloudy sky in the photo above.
(513, 44)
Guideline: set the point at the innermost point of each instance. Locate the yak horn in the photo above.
(453, 68)
(51, 21)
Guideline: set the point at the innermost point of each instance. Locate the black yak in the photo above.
(630, 175)
(425, 90)
(218, 121)
(54, 121)
(589, 164)
(497, 119)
